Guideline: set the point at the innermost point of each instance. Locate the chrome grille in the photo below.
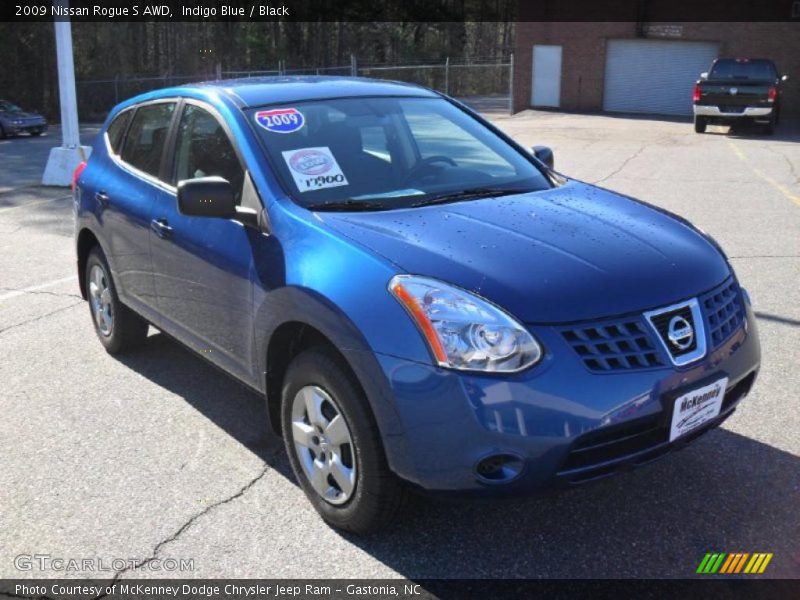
(613, 345)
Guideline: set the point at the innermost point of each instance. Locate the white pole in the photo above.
(66, 83)
(64, 160)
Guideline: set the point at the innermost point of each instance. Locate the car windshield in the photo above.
(741, 68)
(381, 153)
(8, 107)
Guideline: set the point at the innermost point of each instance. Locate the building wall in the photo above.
(584, 54)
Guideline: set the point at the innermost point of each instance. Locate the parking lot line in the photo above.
(36, 288)
(780, 187)
(29, 204)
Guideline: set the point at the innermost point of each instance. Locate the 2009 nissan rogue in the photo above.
(422, 301)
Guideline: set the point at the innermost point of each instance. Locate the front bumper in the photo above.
(710, 110)
(565, 424)
(33, 127)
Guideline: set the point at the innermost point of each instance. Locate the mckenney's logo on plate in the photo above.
(694, 408)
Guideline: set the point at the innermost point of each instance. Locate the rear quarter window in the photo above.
(117, 129)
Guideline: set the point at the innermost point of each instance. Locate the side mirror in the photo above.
(206, 197)
(213, 197)
(784, 78)
(544, 154)
(704, 76)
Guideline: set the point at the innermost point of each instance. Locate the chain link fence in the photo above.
(97, 97)
(483, 83)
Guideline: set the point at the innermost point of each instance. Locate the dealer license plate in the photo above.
(697, 407)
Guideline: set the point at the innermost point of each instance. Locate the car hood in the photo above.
(567, 254)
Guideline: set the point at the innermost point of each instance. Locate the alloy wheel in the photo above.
(323, 444)
(100, 300)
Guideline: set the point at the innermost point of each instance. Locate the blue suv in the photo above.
(422, 302)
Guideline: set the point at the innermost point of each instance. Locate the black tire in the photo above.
(769, 128)
(36, 133)
(2, 133)
(128, 329)
(379, 494)
(700, 124)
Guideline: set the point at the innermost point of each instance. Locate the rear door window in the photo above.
(144, 144)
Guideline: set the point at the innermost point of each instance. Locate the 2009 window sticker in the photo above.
(314, 168)
(281, 120)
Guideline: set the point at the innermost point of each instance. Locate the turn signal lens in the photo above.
(464, 331)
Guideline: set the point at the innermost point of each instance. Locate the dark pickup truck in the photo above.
(737, 90)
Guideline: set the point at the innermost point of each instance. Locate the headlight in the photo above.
(463, 330)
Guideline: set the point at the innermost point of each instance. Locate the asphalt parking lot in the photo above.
(156, 455)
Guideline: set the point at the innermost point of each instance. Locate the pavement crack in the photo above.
(40, 317)
(40, 293)
(622, 166)
(792, 170)
(186, 526)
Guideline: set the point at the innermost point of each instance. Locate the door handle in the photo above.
(161, 228)
(102, 199)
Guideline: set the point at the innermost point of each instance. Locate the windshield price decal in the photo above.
(314, 168)
(281, 120)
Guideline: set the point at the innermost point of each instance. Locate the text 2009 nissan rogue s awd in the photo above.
(422, 301)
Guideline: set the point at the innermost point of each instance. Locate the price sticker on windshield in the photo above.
(281, 120)
(314, 168)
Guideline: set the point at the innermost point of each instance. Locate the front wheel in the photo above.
(334, 445)
(117, 326)
(700, 124)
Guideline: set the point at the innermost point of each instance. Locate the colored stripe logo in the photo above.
(733, 563)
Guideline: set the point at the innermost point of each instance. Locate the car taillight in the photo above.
(772, 94)
(696, 93)
(76, 174)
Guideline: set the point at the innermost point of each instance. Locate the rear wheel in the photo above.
(334, 445)
(2, 133)
(36, 133)
(700, 124)
(118, 327)
(769, 128)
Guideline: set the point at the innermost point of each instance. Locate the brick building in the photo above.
(640, 67)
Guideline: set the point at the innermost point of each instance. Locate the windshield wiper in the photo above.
(469, 194)
(347, 205)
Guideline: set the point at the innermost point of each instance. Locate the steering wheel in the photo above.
(426, 164)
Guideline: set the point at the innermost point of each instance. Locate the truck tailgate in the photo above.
(731, 96)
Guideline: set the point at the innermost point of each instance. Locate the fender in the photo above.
(302, 305)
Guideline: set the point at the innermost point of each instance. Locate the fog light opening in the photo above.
(499, 468)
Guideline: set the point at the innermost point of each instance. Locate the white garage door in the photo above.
(654, 76)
